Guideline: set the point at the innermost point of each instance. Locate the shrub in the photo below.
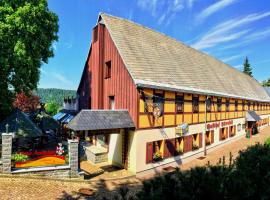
(267, 142)
(252, 174)
(157, 156)
(247, 178)
(19, 157)
(198, 183)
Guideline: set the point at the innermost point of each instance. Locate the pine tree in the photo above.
(247, 68)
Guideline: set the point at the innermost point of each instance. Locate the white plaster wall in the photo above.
(144, 136)
(132, 153)
(265, 117)
(115, 149)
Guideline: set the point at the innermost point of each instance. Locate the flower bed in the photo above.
(33, 153)
(40, 158)
(42, 161)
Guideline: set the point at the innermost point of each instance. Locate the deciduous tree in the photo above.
(27, 31)
(266, 83)
(52, 108)
(26, 103)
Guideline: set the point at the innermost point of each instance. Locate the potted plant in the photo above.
(18, 158)
(195, 147)
(223, 137)
(157, 156)
(179, 150)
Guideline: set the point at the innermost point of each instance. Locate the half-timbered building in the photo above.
(162, 102)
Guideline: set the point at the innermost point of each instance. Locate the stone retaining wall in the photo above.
(58, 174)
(69, 171)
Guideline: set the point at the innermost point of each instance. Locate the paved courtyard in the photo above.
(22, 188)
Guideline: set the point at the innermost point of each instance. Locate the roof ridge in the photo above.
(172, 38)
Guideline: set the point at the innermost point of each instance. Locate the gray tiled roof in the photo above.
(101, 120)
(267, 90)
(20, 124)
(251, 116)
(157, 61)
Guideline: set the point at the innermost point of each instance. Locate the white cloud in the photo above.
(130, 15)
(148, 5)
(57, 76)
(259, 35)
(68, 45)
(54, 46)
(43, 72)
(164, 10)
(61, 78)
(190, 3)
(227, 31)
(263, 61)
(212, 40)
(213, 9)
(161, 19)
(231, 58)
(238, 66)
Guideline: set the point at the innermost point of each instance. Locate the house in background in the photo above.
(148, 101)
(27, 135)
(70, 109)
(267, 90)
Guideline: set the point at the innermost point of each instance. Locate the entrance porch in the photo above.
(103, 137)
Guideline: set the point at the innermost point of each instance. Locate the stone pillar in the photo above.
(73, 157)
(6, 152)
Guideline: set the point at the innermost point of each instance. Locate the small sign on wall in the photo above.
(182, 129)
(219, 124)
(239, 127)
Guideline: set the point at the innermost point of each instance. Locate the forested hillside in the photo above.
(51, 95)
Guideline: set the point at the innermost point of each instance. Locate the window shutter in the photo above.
(166, 149)
(234, 129)
(227, 132)
(169, 150)
(173, 147)
(212, 137)
(200, 140)
(186, 141)
(220, 134)
(190, 142)
(230, 132)
(149, 152)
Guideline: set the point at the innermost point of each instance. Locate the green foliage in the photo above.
(157, 156)
(246, 178)
(67, 158)
(52, 108)
(267, 142)
(195, 147)
(19, 157)
(266, 83)
(247, 68)
(122, 193)
(252, 174)
(198, 183)
(27, 31)
(179, 150)
(54, 95)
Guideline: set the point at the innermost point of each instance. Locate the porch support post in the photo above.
(73, 157)
(6, 152)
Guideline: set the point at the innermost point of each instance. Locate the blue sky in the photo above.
(226, 29)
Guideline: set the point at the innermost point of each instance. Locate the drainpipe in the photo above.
(205, 126)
